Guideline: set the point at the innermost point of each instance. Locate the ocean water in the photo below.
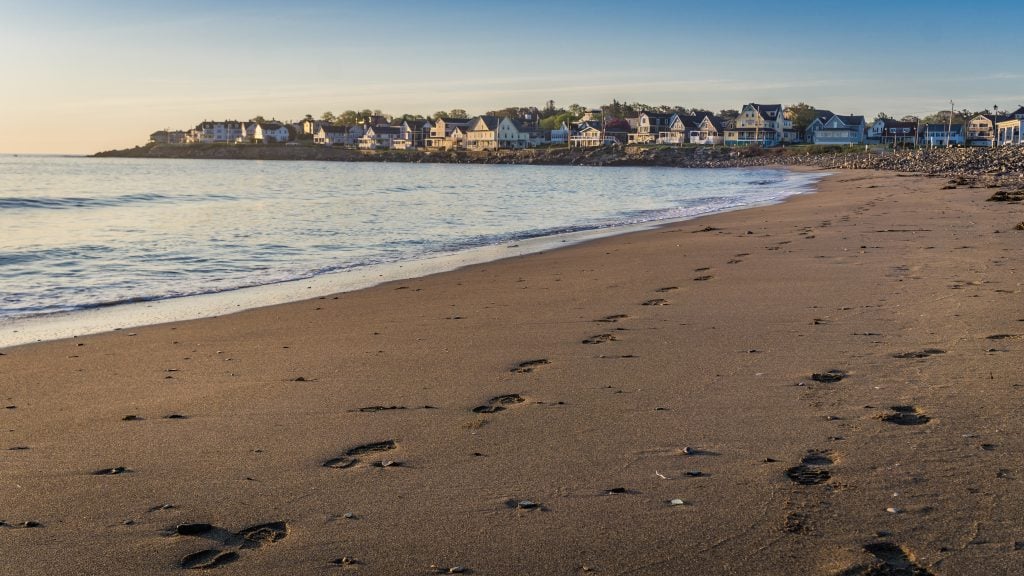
(79, 233)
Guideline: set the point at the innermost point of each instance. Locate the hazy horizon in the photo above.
(90, 76)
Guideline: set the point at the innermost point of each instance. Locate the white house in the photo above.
(942, 135)
(560, 135)
(379, 137)
(208, 132)
(331, 135)
(710, 130)
(412, 134)
(443, 135)
(651, 126)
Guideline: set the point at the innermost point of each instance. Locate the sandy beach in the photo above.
(830, 385)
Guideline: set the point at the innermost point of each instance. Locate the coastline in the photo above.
(124, 315)
(678, 365)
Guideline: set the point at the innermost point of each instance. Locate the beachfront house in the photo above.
(1008, 131)
(379, 137)
(820, 117)
(270, 133)
(514, 133)
(482, 133)
(839, 130)
(209, 132)
(587, 135)
(651, 125)
(761, 124)
(942, 135)
(895, 132)
(981, 129)
(337, 135)
(447, 133)
(560, 135)
(167, 137)
(412, 134)
(680, 129)
(710, 131)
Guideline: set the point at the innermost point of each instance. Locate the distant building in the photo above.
(448, 133)
(379, 137)
(209, 132)
(167, 137)
(1008, 131)
(820, 117)
(981, 129)
(841, 130)
(892, 131)
(710, 130)
(337, 135)
(650, 125)
(942, 134)
(761, 124)
(412, 134)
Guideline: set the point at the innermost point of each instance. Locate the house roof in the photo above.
(715, 121)
(889, 123)
(765, 109)
(1017, 112)
(851, 120)
(942, 127)
(454, 120)
(823, 115)
(490, 122)
(381, 130)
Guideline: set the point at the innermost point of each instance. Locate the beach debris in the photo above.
(344, 561)
(527, 505)
(660, 475)
(131, 418)
(387, 464)
(456, 570)
(30, 524)
(298, 379)
(1005, 337)
(829, 377)
(676, 502)
(1019, 226)
(707, 229)
(616, 490)
(348, 516)
(893, 510)
(694, 473)
(436, 569)
(529, 365)
(175, 417)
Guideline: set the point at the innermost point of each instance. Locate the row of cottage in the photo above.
(762, 124)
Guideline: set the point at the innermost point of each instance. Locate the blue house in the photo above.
(841, 130)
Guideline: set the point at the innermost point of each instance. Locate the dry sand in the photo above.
(678, 364)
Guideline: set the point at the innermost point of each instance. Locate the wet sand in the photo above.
(827, 386)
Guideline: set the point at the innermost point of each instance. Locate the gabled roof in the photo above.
(490, 122)
(453, 121)
(767, 110)
(823, 115)
(890, 123)
(850, 120)
(691, 122)
(382, 130)
(1017, 112)
(715, 121)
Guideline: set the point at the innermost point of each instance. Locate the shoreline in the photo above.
(83, 322)
(827, 385)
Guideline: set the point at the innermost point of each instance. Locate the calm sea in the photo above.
(79, 233)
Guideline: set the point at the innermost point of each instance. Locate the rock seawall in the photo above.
(1006, 162)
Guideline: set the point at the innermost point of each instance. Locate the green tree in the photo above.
(440, 114)
(327, 116)
(458, 113)
(728, 115)
(801, 115)
(881, 116)
(348, 117)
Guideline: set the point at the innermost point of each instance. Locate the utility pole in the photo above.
(949, 127)
(995, 123)
(757, 123)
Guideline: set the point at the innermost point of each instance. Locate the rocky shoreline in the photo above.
(1006, 164)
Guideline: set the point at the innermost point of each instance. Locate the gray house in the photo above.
(842, 130)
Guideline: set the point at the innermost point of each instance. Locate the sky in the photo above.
(80, 76)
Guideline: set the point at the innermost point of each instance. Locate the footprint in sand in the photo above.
(351, 456)
(600, 339)
(889, 559)
(667, 289)
(905, 416)
(829, 376)
(377, 408)
(813, 468)
(499, 403)
(250, 538)
(920, 353)
(529, 365)
(703, 278)
(656, 302)
(612, 318)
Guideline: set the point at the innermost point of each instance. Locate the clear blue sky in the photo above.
(84, 75)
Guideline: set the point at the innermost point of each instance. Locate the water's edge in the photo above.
(57, 326)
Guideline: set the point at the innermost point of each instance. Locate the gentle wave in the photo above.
(180, 228)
